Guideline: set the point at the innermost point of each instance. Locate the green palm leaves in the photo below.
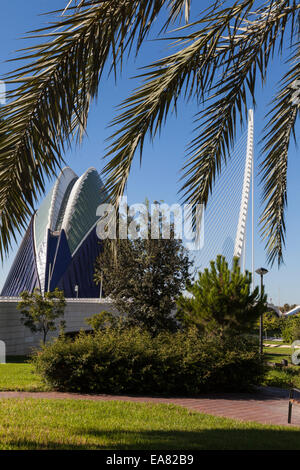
(217, 62)
(218, 65)
(281, 126)
(50, 105)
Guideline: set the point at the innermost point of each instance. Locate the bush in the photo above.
(291, 329)
(282, 377)
(131, 361)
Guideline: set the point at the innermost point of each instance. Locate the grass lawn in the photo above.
(83, 424)
(285, 377)
(276, 355)
(274, 341)
(18, 374)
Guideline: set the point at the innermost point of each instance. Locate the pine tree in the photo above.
(221, 301)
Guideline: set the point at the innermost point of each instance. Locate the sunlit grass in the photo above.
(276, 355)
(274, 341)
(18, 374)
(284, 377)
(83, 424)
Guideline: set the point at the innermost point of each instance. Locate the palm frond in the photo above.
(247, 56)
(221, 60)
(54, 89)
(217, 64)
(281, 125)
(189, 72)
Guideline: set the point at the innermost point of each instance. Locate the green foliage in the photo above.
(103, 320)
(288, 327)
(132, 361)
(272, 323)
(282, 377)
(217, 61)
(144, 279)
(40, 312)
(221, 301)
(290, 330)
(287, 307)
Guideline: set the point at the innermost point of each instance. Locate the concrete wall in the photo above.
(19, 340)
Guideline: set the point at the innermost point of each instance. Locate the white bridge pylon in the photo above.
(225, 215)
(240, 239)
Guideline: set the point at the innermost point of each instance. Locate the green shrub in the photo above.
(282, 377)
(131, 361)
(291, 329)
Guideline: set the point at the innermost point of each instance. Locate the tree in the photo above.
(145, 280)
(40, 312)
(288, 307)
(103, 320)
(218, 59)
(272, 323)
(290, 328)
(220, 301)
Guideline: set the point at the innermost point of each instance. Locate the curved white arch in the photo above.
(73, 198)
(66, 176)
(58, 192)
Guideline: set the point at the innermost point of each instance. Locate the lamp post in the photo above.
(76, 288)
(261, 272)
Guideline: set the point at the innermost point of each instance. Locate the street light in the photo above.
(76, 288)
(261, 272)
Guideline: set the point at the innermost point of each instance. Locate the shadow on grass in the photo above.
(17, 359)
(214, 439)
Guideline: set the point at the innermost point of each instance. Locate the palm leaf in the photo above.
(249, 51)
(219, 65)
(281, 126)
(54, 89)
(190, 72)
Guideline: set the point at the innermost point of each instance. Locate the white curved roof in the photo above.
(70, 205)
(66, 177)
(47, 216)
(80, 214)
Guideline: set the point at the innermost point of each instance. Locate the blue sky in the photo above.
(158, 177)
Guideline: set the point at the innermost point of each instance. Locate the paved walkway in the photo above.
(267, 406)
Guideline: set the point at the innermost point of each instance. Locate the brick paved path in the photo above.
(267, 406)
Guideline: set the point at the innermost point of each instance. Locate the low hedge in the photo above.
(131, 361)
